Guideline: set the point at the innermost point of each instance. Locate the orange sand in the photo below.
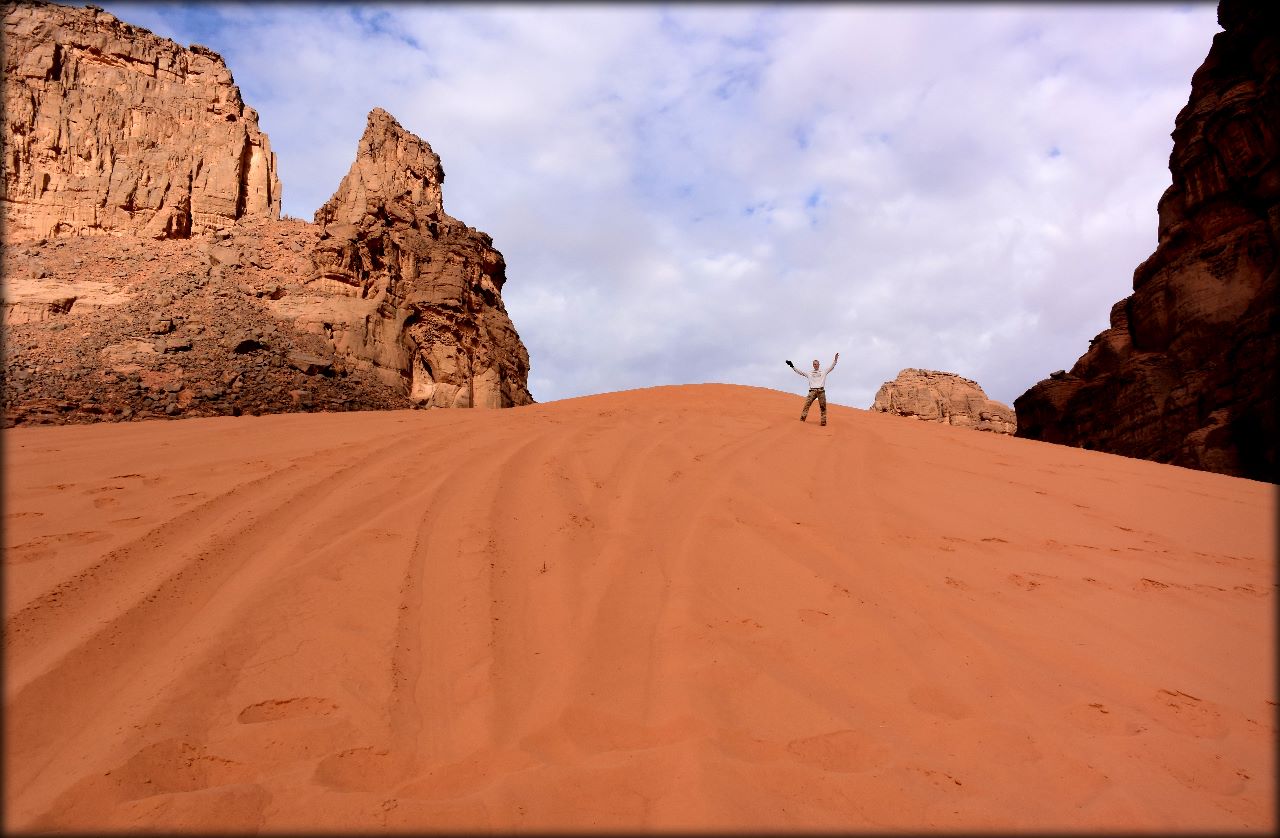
(672, 608)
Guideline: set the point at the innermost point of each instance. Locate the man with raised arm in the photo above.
(817, 387)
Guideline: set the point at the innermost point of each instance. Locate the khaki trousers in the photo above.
(819, 393)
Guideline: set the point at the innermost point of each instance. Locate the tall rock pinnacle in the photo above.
(436, 283)
(395, 174)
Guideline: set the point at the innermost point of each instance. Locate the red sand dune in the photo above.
(671, 608)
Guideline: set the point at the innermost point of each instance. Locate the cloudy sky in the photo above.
(689, 193)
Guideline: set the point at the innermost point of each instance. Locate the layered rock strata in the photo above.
(415, 293)
(387, 302)
(1188, 371)
(111, 128)
(933, 396)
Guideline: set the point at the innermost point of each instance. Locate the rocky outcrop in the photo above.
(215, 306)
(415, 295)
(944, 397)
(1187, 372)
(111, 128)
(112, 328)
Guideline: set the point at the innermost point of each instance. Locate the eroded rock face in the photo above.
(944, 397)
(202, 301)
(111, 328)
(1187, 371)
(111, 128)
(415, 293)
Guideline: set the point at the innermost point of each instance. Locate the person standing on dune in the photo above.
(817, 387)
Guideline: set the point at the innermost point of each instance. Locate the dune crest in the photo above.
(671, 608)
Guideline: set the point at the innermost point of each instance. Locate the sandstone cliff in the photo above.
(201, 301)
(943, 397)
(1187, 371)
(111, 128)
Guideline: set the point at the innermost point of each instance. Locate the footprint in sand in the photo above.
(847, 751)
(173, 765)
(939, 702)
(1078, 782)
(1004, 742)
(744, 746)
(146, 481)
(237, 808)
(361, 769)
(1146, 585)
(940, 779)
(459, 779)
(1215, 775)
(9, 516)
(1187, 714)
(285, 708)
(1097, 717)
(596, 730)
(1024, 582)
(46, 546)
(382, 536)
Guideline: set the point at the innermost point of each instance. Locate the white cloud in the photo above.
(694, 193)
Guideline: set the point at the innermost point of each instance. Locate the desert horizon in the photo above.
(671, 608)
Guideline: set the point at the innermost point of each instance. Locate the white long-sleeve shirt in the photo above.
(817, 378)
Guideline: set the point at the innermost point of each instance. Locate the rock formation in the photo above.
(422, 289)
(110, 328)
(200, 301)
(943, 397)
(1187, 371)
(111, 128)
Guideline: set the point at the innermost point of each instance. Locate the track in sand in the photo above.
(670, 608)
